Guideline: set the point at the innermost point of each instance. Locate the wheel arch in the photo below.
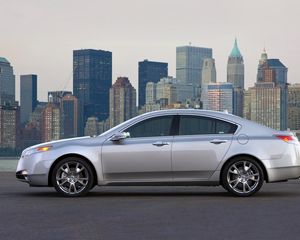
(250, 156)
(71, 155)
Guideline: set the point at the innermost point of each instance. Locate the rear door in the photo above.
(200, 145)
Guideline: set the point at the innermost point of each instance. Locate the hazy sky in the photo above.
(38, 36)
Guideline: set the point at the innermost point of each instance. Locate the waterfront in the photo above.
(8, 164)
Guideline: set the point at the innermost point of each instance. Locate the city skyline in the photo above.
(34, 50)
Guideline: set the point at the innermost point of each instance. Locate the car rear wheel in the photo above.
(242, 176)
(72, 177)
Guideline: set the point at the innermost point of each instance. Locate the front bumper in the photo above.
(33, 169)
(32, 179)
(22, 176)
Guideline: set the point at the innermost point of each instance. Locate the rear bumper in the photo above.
(285, 166)
(281, 174)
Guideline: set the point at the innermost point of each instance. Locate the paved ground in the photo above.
(149, 213)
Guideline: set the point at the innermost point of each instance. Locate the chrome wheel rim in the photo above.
(243, 177)
(72, 177)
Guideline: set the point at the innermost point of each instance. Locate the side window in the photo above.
(225, 127)
(194, 125)
(158, 126)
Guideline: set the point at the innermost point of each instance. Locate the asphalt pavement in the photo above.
(148, 213)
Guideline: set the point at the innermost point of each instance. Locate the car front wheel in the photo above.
(242, 176)
(72, 177)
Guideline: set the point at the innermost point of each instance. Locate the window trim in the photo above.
(210, 117)
(171, 130)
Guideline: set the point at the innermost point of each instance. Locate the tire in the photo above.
(72, 177)
(242, 176)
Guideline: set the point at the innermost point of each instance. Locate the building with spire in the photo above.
(269, 96)
(235, 75)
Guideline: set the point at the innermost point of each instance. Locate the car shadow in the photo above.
(159, 193)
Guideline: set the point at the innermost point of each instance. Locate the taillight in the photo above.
(287, 138)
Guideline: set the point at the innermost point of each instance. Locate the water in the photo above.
(8, 164)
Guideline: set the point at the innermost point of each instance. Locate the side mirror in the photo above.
(120, 136)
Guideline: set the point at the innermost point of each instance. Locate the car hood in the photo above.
(68, 141)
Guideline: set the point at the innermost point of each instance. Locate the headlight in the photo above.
(38, 149)
(43, 149)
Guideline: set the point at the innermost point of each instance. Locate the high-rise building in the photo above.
(51, 123)
(209, 75)
(7, 83)
(94, 127)
(220, 96)
(247, 105)
(235, 75)
(91, 127)
(166, 91)
(189, 62)
(70, 116)
(92, 79)
(265, 107)
(294, 107)
(122, 98)
(28, 95)
(274, 71)
(170, 91)
(149, 71)
(150, 92)
(57, 96)
(9, 126)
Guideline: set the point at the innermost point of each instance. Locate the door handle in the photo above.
(218, 141)
(160, 143)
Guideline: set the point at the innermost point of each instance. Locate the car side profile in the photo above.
(167, 147)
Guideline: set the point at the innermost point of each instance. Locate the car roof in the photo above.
(224, 115)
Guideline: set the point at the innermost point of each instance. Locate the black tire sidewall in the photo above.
(235, 160)
(73, 159)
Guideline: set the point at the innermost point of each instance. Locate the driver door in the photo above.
(143, 157)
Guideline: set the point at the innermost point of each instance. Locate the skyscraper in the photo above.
(189, 62)
(235, 75)
(265, 104)
(51, 123)
(220, 96)
(294, 107)
(166, 91)
(150, 71)
(92, 78)
(169, 91)
(9, 126)
(70, 116)
(274, 71)
(150, 92)
(28, 94)
(57, 96)
(7, 83)
(122, 97)
(209, 75)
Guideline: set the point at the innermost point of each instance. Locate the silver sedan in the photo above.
(169, 147)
